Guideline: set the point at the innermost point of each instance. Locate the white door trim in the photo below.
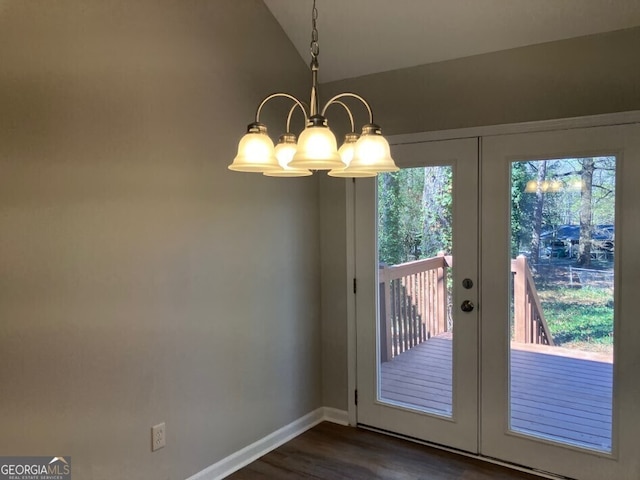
(607, 119)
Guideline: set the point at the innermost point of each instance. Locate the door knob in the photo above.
(467, 306)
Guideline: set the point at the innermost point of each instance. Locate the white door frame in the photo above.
(606, 119)
(621, 118)
(498, 439)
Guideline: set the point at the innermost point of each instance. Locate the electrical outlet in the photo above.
(158, 436)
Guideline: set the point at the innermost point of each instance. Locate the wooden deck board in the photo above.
(553, 394)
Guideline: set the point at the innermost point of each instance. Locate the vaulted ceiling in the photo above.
(359, 37)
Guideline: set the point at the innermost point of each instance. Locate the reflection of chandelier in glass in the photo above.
(552, 186)
(362, 155)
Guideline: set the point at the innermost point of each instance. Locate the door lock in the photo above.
(467, 306)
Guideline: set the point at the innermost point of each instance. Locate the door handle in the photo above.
(467, 306)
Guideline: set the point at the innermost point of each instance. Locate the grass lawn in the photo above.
(580, 318)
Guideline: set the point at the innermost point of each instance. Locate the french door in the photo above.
(495, 306)
(435, 395)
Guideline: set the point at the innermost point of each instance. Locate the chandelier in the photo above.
(361, 155)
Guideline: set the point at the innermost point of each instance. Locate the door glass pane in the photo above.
(562, 270)
(415, 328)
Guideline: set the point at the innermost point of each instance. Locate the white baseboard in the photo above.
(333, 415)
(252, 452)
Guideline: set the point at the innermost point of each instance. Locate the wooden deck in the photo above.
(556, 393)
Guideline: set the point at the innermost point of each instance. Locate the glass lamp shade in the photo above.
(285, 150)
(372, 152)
(347, 148)
(346, 152)
(255, 152)
(317, 149)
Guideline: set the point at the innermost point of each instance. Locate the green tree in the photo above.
(437, 199)
(521, 208)
(546, 194)
(414, 214)
(400, 215)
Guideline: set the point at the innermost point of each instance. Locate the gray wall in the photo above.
(140, 280)
(335, 288)
(569, 78)
(583, 76)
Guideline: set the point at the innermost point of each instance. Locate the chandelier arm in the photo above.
(277, 95)
(338, 102)
(352, 95)
(293, 108)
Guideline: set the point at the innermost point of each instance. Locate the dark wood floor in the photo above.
(334, 452)
(556, 393)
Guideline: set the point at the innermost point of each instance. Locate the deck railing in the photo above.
(529, 324)
(415, 304)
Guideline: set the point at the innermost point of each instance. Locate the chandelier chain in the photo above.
(315, 148)
(315, 48)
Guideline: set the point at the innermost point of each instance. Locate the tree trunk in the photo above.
(427, 196)
(392, 241)
(537, 213)
(586, 226)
